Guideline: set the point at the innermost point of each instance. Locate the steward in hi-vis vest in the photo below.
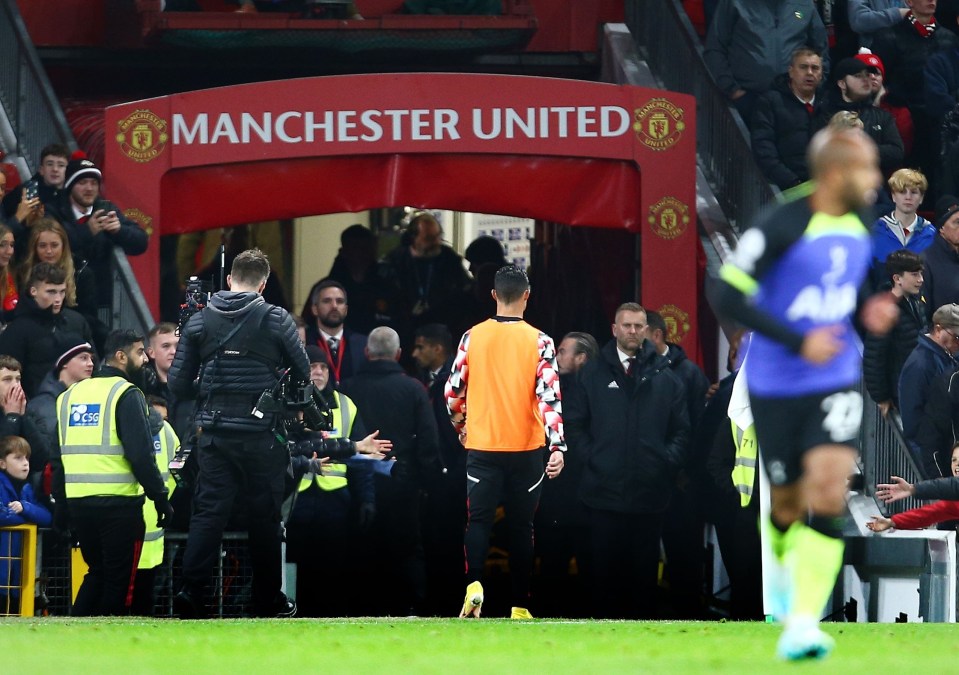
(103, 465)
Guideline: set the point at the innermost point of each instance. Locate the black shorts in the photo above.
(786, 428)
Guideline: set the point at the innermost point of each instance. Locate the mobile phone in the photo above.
(30, 190)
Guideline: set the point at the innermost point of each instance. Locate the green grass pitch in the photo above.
(61, 646)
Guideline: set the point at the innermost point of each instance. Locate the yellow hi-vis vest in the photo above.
(165, 446)
(744, 468)
(334, 475)
(93, 461)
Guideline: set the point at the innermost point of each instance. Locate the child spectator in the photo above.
(903, 227)
(923, 516)
(17, 506)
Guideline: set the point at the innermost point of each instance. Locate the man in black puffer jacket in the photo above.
(628, 417)
(853, 93)
(784, 120)
(31, 338)
(884, 355)
(236, 345)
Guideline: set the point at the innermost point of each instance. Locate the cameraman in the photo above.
(236, 345)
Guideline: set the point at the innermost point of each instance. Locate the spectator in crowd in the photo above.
(95, 225)
(561, 523)
(162, 341)
(429, 274)
(99, 487)
(933, 355)
(945, 490)
(784, 120)
(31, 337)
(940, 270)
(903, 228)
(683, 523)
(27, 210)
(504, 375)
(885, 355)
(9, 295)
(344, 348)
(47, 182)
(841, 38)
(13, 422)
(904, 49)
(940, 418)
(74, 364)
(332, 504)
(166, 444)
(48, 243)
(867, 17)
(900, 113)
(854, 93)
(18, 505)
(398, 406)
(628, 415)
(750, 43)
(446, 504)
(941, 97)
(373, 300)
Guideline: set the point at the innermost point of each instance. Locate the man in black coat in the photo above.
(445, 514)
(230, 353)
(940, 272)
(399, 407)
(853, 93)
(95, 225)
(628, 416)
(884, 355)
(784, 120)
(31, 337)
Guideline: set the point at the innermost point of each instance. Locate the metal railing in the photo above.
(18, 564)
(29, 104)
(885, 454)
(673, 51)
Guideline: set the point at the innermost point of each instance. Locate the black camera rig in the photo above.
(288, 398)
(196, 297)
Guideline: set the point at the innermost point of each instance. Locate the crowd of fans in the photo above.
(788, 68)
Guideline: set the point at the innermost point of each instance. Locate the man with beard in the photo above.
(795, 279)
(95, 225)
(103, 464)
(343, 347)
(429, 274)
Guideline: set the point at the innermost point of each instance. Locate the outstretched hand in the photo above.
(893, 492)
(375, 447)
(879, 524)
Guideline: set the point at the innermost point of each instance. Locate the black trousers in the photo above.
(110, 541)
(625, 563)
(252, 469)
(515, 479)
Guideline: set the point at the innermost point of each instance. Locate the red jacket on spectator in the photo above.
(924, 516)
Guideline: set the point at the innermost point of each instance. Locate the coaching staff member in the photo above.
(103, 464)
(229, 353)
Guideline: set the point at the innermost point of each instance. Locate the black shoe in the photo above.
(283, 608)
(186, 606)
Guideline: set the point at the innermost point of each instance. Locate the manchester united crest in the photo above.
(677, 322)
(669, 217)
(658, 124)
(140, 218)
(142, 135)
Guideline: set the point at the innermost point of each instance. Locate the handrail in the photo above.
(27, 99)
(674, 53)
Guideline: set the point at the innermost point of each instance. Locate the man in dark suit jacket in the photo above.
(343, 347)
(445, 516)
